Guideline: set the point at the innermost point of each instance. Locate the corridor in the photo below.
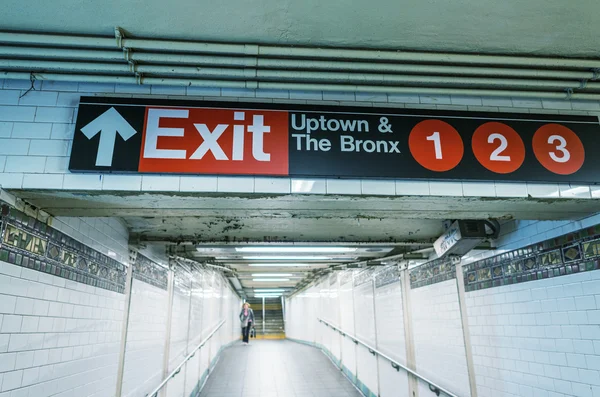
(276, 368)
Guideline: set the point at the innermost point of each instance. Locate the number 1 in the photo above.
(435, 137)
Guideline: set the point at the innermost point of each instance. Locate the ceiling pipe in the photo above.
(293, 52)
(299, 86)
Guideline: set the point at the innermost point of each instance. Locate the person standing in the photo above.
(247, 319)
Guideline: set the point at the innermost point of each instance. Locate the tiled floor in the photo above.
(276, 369)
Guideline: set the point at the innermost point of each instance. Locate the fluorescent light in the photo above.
(267, 295)
(287, 258)
(270, 279)
(272, 275)
(285, 264)
(268, 290)
(284, 250)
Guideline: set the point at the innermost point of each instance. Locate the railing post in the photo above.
(123, 347)
(263, 316)
(460, 284)
(413, 386)
(167, 350)
(376, 339)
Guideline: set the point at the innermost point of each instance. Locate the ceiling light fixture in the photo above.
(268, 290)
(285, 264)
(272, 275)
(296, 250)
(268, 280)
(267, 295)
(287, 258)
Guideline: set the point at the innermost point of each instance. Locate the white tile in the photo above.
(7, 304)
(9, 97)
(465, 100)
(5, 129)
(8, 362)
(48, 85)
(556, 104)
(24, 360)
(493, 101)
(198, 184)
(371, 97)
(57, 165)
(42, 181)
(132, 89)
(39, 98)
(575, 191)
(11, 324)
(272, 94)
(17, 113)
(312, 186)
(543, 190)
(527, 103)
(122, 182)
(237, 92)
(167, 90)
(338, 96)
(445, 188)
(412, 188)
(11, 181)
(435, 99)
(164, 183)
(386, 188)
(12, 380)
(10, 84)
(585, 105)
(82, 182)
(48, 147)
(96, 87)
(272, 185)
(203, 91)
(32, 130)
(479, 189)
(235, 184)
(69, 99)
(306, 95)
(511, 189)
(54, 115)
(403, 98)
(2, 163)
(15, 147)
(343, 186)
(25, 164)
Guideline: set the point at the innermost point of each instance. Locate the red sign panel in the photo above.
(215, 141)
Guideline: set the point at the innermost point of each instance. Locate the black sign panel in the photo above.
(193, 137)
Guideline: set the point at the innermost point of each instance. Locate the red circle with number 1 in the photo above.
(498, 147)
(558, 149)
(436, 145)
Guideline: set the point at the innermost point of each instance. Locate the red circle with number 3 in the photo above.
(498, 147)
(436, 145)
(558, 149)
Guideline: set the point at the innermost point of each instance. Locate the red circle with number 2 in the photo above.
(436, 145)
(558, 149)
(498, 147)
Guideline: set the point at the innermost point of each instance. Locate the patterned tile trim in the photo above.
(363, 277)
(27, 242)
(568, 254)
(333, 278)
(433, 272)
(346, 277)
(150, 272)
(389, 275)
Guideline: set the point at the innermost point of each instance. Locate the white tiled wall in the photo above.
(179, 333)
(36, 132)
(146, 336)
(57, 336)
(438, 337)
(540, 338)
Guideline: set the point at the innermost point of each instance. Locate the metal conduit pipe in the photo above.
(296, 86)
(230, 61)
(297, 52)
(293, 76)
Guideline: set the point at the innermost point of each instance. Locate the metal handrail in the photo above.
(154, 393)
(396, 365)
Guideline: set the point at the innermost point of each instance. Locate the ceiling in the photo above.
(553, 27)
(211, 227)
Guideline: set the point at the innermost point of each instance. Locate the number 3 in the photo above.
(562, 147)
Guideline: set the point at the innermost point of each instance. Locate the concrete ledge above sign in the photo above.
(212, 138)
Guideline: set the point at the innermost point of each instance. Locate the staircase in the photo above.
(274, 326)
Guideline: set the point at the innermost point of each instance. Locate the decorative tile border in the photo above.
(363, 277)
(333, 278)
(27, 242)
(150, 272)
(388, 276)
(568, 254)
(346, 277)
(433, 272)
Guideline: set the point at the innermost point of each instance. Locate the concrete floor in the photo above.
(278, 368)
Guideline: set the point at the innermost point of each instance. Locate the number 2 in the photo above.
(435, 137)
(562, 147)
(495, 156)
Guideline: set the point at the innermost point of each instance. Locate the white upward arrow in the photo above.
(108, 124)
